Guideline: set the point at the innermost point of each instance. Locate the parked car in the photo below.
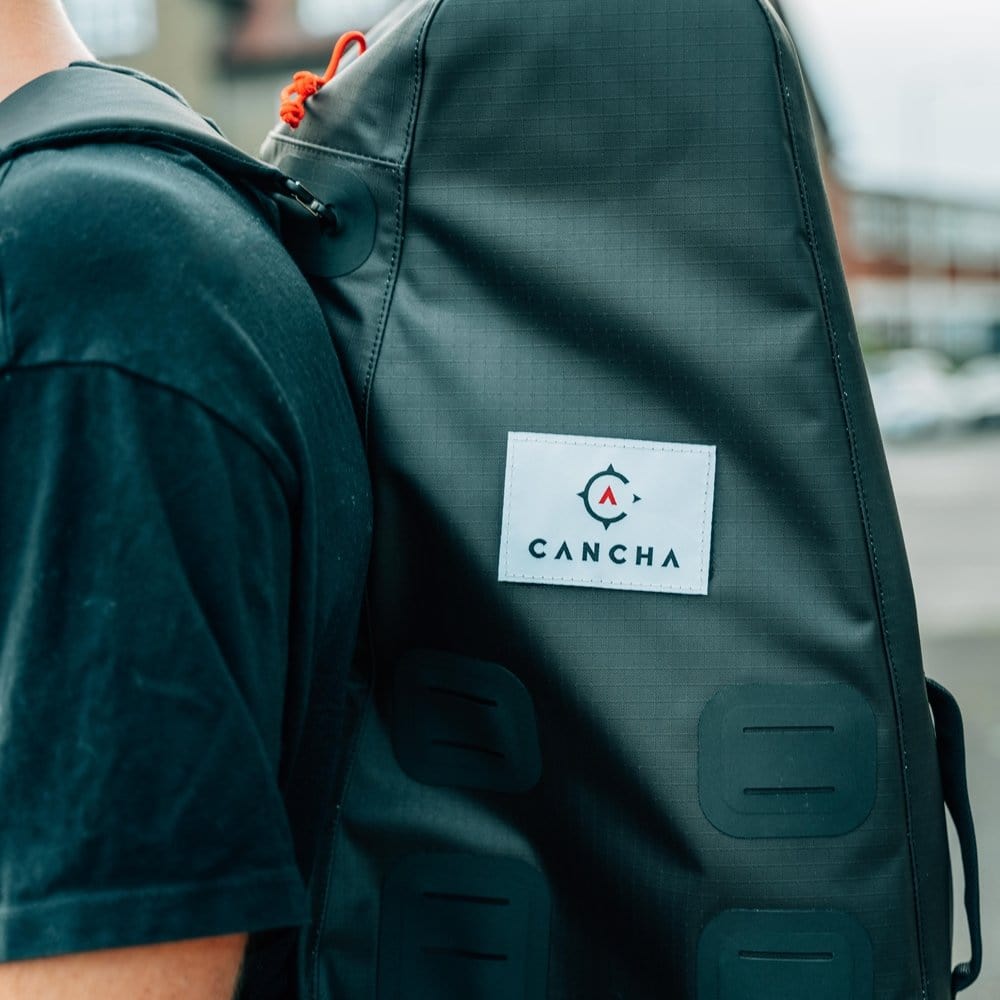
(915, 393)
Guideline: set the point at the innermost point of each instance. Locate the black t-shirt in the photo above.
(184, 523)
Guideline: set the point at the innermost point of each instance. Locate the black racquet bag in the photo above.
(640, 711)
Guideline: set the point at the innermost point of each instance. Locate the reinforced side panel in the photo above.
(890, 568)
(606, 222)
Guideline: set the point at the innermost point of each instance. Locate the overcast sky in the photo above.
(911, 89)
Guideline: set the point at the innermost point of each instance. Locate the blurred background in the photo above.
(906, 101)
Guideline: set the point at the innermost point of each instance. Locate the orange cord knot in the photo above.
(293, 98)
(304, 84)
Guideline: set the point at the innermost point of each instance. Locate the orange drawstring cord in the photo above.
(304, 84)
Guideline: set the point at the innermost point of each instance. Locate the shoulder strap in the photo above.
(94, 103)
(951, 758)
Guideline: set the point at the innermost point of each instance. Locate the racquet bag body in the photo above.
(639, 711)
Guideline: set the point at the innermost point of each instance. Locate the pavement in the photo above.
(948, 493)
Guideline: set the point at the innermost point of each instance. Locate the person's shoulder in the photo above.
(113, 233)
(147, 260)
(113, 195)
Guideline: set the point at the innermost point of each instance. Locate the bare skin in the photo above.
(206, 969)
(35, 38)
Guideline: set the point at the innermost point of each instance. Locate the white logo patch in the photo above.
(606, 512)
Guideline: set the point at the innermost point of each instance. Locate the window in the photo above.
(322, 17)
(114, 27)
(294, 32)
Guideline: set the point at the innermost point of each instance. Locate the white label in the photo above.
(605, 512)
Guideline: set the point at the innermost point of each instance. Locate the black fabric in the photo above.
(951, 754)
(92, 102)
(184, 522)
(143, 660)
(609, 221)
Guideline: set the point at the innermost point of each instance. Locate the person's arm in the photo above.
(205, 969)
(145, 553)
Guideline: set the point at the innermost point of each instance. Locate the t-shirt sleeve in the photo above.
(145, 565)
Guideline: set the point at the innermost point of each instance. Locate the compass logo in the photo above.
(662, 546)
(606, 495)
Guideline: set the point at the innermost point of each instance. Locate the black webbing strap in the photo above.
(89, 102)
(951, 760)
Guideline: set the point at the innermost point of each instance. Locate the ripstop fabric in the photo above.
(606, 225)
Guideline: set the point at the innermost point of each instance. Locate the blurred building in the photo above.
(922, 271)
(230, 58)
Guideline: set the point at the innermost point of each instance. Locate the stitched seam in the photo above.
(344, 154)
(164, 387)
(267, 876)
(418, 72)
(6, 337)
(350, 769)
(706, 555)
(390, 284)
(119, 134)
(861, 496)
(576, 581)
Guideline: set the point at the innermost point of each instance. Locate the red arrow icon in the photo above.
(608, 496)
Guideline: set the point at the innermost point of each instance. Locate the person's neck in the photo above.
(35, 38)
